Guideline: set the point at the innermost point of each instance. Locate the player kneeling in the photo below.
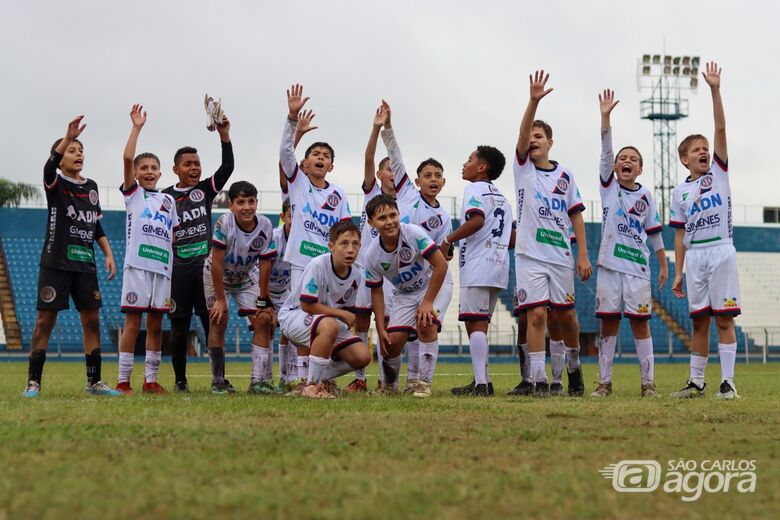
(317, 316)
(406, 256)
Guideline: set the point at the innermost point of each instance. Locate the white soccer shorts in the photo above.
(712, 281)
(541, 283)
(299, 327)
(245, 295)
(144, 291)
(403, 316)
(622, 294)
(477, 303)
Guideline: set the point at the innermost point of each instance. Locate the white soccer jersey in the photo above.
(412, 206)
(484, 256)
(151, 219)
(319, 283)
(545, 202)
(314, 210)
(628, 218)
(406, 267)
(703, 208)
(279, 282)
(242, 248)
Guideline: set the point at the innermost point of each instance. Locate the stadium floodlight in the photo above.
(686, 60)
(676, 60)
(695, 61)
(676, 71)
(646, 70)
(686, 71)
(667, 69)
(656, 59)
(646, 59)
(695, 71)
(694, 82)
(667, 60)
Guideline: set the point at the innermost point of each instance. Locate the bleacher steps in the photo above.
(671, 323)
(13, 335)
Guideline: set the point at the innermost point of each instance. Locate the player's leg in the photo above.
(562, 302)
(324, 331)
(362, 325)
(216, 344)
(725, 306)
(638, 308)
(153, 357)
(474, 311)
(533, 297)
(525, 386)
(609, 309)
(349, 353)
(262, 355)
(557, 353)
(427, 339)
(401, 325)
(127, 341)
(186, 292)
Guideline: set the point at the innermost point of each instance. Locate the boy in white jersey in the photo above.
(316, 204)
(318, 315)
(548, 204)
(241, 238)
(701, 212)
(405, 255)
(146, 281)
(630, 222)
(419, 206)
(279, 287)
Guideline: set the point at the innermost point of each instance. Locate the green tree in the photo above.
(14, 193)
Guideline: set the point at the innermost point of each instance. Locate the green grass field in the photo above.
(69, 455)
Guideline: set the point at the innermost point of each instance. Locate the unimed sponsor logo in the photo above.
(553, 238)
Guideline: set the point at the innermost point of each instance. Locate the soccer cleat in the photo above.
(556, 389)
(541, 389)
(261, 388)
(33, 389)
(464, 390)
(222, 388)
(411, 386)
(649, 390)
(576, 383)
(101, 388)
(727, 391)
(316, 391)
(604, 390)
(124, 388)
(522, 389)
(481, 390)
(422, 389)
(490, 388)
(357, 386)
(691, 390)
(383, 389)
(181, 387)
(153, 387)
(294, 388)
(331, 387)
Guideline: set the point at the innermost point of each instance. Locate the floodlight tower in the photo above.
(665, 77)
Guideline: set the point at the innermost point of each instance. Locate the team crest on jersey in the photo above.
(93, 197)
(197, 195)
(212, 299)
(308, 319)
(706, 183)
(405, 254)
(257, 242)
(348, 293)
(48, 294)
(562, 185)
(432, 223)
(131, 297)
(332, 201)
(640, 206)
(166, 202)
(522, 295)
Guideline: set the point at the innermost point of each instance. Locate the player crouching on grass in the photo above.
(630, 222)
(406, 256)
(318, 315)
(701, 212)
(146, 281)
(241, 238)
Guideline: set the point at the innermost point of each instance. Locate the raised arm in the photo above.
(303, 127)
(227, 165)
(73, 132)
(712, 77)
(538, 82)
(295, 103)
(369, 166)
(393, 150)
(607, 163)
(138, 117)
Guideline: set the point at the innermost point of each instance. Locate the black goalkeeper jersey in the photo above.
(193, 238)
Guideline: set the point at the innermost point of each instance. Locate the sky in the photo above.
(454, 72)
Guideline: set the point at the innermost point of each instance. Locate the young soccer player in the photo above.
(484, 256)
(405, 255)
(241, 238)
(630, 222)
(146, 279)
(701, 212)
(318, 315)
(419, 206)
(279, 287)
(316, 204)
(548, 204)
(194, 197)
(67, 265)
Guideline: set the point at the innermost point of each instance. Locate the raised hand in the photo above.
(607, 102)
(712, 74)
(304, 122)
(295, 101)
(538, 82)
(74, 130)
(381, 116)
(138, 116)
(223, 129)
(388, 114)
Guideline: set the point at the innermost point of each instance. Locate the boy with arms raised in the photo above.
(701, 212)
(405, 255)
(548, 204)
(67, 265)
(630, 222)
(241, 238)
(194, 197)
(318, 316)
(484, 256)
(146, 280)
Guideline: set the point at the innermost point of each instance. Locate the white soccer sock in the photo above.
(379, 359)
(644, 351)
(267, 372)
(360, 373)
(125, 366)
(557, 359)
(413, 353)
(538, 372)
(292, 362)
(429, 354)
(573, 357)
(336, 369)
(392, 368)
(282, 364)
(152, 364)
(260, 362)
(698, 364)
(478, 344)
(302, 367)
(607, 346)
(728, 356)
(525, 366)
(317, 367)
